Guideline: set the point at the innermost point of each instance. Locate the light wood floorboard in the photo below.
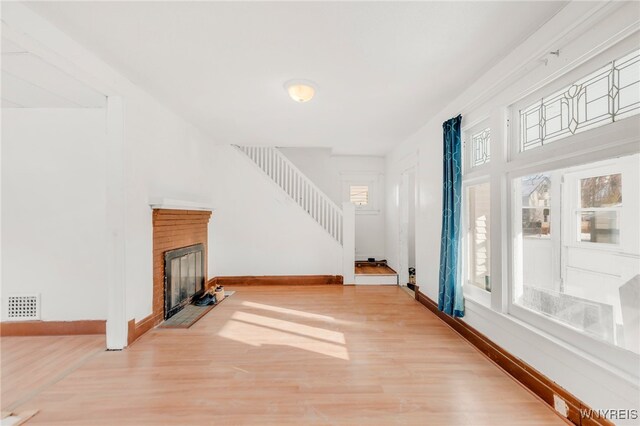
(30, 364)
(295, 355)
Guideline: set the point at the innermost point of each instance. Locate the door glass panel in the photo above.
(601, 191)
(599, 227)
(175, 282)
(191, 259)
(199, 277)
(184, 277)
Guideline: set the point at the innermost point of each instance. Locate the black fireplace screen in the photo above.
(183, 277)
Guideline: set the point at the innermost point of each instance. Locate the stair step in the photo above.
(376, 279)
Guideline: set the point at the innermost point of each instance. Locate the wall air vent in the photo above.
(23, 307)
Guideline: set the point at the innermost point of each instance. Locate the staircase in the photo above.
(305, 193)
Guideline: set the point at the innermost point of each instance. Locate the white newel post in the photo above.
(348, 242)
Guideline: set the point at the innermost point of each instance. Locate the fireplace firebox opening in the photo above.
(183, 277)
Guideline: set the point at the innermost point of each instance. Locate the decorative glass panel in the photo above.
(604, 96)
(480, 147)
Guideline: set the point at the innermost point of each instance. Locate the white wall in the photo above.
(575, 31)
(257, 229)
(53, 210)
(329, 172)
(320, 167)
(163, 155)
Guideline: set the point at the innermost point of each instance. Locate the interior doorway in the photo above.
(408, 204)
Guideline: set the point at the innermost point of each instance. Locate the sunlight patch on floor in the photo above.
(288, 311)
(256, 330)
(290, 326)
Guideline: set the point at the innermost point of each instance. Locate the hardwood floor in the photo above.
(374, 270)
(294, 355)
(30, 364)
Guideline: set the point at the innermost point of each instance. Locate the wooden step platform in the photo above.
(375, 273)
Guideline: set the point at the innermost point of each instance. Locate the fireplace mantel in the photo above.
(172, 204)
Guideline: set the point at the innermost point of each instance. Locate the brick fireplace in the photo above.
(172, 229)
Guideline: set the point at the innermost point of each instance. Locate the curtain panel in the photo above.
(450, 298)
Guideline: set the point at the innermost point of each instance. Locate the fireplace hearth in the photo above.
(184, 277)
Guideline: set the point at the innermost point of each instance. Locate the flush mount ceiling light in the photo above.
(300, 90)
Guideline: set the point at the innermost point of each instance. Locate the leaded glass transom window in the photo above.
(480, 147)
(606, 95)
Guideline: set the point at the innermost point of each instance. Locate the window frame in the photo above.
(614, 356)
(571, 194)
(368, 191)
(474, 175)
(371, 180)
(593, 145)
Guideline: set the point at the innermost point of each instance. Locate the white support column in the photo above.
(348, 242)
(115, 197)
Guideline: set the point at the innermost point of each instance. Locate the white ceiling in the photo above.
(381, 68)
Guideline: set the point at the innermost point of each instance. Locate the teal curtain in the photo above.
(450, 299)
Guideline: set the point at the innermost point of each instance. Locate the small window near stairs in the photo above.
(359, 195)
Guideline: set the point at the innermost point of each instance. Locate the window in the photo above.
(576, 248)
(476, 205)
(606, 95)
(362, 189)
(478, 236)
(359, 195)
(558, 245)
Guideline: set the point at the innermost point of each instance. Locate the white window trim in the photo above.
(531, 326)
